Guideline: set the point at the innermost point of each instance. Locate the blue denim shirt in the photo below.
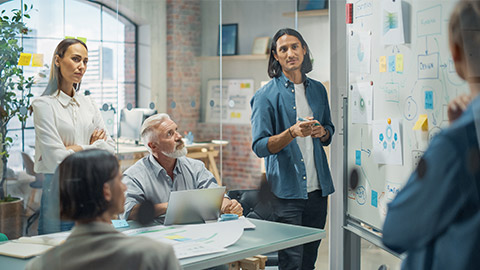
(273, 111)
(435, 219)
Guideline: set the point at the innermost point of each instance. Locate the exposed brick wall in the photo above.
(183, 69)
(240, 167)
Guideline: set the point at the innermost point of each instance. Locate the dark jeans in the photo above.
(49, 220)
(309, 213)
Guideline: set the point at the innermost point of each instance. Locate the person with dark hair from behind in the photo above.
(295, 162)
(435, 218)
(91, 193)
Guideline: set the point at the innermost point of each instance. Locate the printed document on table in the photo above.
(196, 239)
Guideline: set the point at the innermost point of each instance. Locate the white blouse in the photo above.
(61, 121)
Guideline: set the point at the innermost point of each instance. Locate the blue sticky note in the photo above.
(391, 63)
(120, 223)
(358, 158)
(429, 100)
(374, 198)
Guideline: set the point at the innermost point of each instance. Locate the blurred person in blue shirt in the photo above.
(435, 218)
(290, 125)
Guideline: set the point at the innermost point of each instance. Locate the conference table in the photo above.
(266, 237)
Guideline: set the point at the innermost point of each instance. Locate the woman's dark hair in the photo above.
(55, 79)
(82, 176)
(274, 68)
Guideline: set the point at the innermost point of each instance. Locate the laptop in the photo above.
(194, 206)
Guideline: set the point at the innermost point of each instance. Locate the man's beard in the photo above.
(177, 153)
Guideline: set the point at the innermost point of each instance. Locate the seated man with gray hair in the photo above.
(166, 169)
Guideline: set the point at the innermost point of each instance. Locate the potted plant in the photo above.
(15, 94)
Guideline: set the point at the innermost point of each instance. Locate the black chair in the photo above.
(257, 204)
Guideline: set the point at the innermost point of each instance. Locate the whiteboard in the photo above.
(235, 105)
(405, 81)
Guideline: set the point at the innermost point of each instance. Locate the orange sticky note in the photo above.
(389, 121)
(37, 60)
(422, 123)
(242, 85)
(24, 59)
(383, 63)
(399, 63)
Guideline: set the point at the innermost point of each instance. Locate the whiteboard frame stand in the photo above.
(345, 232)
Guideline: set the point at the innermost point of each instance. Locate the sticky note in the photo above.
(422, 123)
(82, 39)
(177, 238)
(383, 63)
(69, 37)
(399, 63)
(429, 100)
(358, 157)
(120, 223)
(242, 85)
(24, 59)
(37, 60)
(247, 85)
(391, 63)
(374, 198)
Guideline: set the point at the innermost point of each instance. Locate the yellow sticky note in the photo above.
(173, 237)
(24, 59)
(383, 64)
(422, 123)
(82, 39)
(37, 60)
(69, 37)
(242, 85)
(399, 63)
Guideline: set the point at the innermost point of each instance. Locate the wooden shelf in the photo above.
(308, 13)
(236, 57)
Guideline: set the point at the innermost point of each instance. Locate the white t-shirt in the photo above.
(306, 143)
(60, 121)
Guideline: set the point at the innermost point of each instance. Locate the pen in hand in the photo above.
(303, 119)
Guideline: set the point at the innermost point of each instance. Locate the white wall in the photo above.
(151, 19)
(316, 32)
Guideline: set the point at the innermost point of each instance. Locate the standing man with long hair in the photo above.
(290, 125)
(65, 122)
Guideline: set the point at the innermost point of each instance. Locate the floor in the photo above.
(372, 257)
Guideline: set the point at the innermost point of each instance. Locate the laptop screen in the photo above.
(194, 206)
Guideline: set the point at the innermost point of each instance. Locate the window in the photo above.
(111, 42)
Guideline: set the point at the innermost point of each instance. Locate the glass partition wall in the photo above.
(165, 57)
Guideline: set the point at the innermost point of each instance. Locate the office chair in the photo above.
(35, 185)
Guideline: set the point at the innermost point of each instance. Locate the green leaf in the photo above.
(27, 16)
(25, 7)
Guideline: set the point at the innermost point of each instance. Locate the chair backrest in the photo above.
(28, 164)
(253, 205)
